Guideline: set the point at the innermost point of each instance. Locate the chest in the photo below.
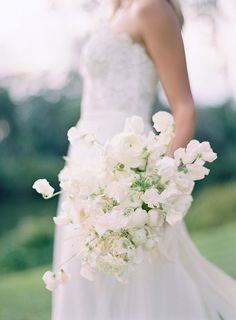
(108, 52)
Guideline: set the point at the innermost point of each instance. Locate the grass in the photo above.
(213, 206)
(23, 296)
(218, 245)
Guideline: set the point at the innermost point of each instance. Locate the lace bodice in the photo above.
(118, 75)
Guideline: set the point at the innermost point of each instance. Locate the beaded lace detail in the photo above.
(118, 74)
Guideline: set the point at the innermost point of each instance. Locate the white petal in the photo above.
(134, 124)
(43, 187)
(62, 220)
(50, 280)
(62, 276)
(86, 272)
(163, 121)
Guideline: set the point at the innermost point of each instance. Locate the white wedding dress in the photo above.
(178, 284)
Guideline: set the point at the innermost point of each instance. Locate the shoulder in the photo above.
(150, 8)
(158, 13)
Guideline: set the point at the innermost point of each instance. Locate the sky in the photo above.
(36, 44)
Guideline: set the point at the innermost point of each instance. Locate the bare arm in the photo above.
(161, 34)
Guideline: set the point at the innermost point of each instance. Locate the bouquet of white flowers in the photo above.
(121, 199)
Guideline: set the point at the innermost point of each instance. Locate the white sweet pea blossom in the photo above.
(73, 135)
(196, 172)
(62, 220)
(118, 189)
(43, 187)
(156, 219)
(53, 279)
(133, 199)
(169, 194)
(207, 153)
(166, 167)
(50, 280)
(134, 124)
(140, 236)
(179, 155)
(138, 218)
(202, 150)
(112, 221)
(62, 276)
(183, 183)
(195, 150)
(178, 209)
(173, 217)
(151, 197)
(192, 152)
(163, 121)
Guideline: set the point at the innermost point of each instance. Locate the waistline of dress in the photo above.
(104, 113)
(111, 117)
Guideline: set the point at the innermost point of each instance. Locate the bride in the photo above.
(121, 63)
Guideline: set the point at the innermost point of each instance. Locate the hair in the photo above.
(174, 3)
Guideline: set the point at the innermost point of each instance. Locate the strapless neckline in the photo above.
(124, 36)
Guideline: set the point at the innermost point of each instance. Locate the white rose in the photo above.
(151, 197)
(128, 148)
(134, 124)
(163, 121)
(43, 187)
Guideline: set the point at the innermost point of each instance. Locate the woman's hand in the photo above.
(161, 33)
